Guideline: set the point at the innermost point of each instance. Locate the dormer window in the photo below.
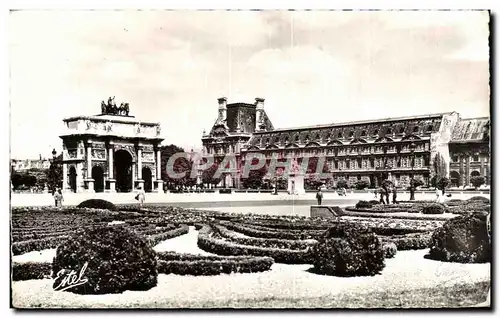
(401, 130)
(351, 133)
(375, 132)
(429, 128)
(363, 133)
(389, 131)
(339, 135)
(415, 129)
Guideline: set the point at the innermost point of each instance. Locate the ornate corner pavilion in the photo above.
(111, 152)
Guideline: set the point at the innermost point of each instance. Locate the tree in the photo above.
(208, 175)
(180, 165)
(255, 177)
(477, 181)
(55, 174)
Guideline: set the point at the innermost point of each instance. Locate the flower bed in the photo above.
(221, 247)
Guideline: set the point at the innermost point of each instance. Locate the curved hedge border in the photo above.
(37, 245)
(221, 247)
(199, 265)
(157, 238)
(263, 242)
(31, 270)
(269, 234)
(350, 212)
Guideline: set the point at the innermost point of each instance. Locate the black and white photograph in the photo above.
(249, 159)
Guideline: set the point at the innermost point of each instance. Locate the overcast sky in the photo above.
(313, 67)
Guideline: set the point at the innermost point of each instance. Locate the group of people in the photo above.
(385, 191)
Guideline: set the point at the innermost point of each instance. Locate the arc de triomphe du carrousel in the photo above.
(111, 152)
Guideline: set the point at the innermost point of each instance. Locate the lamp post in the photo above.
(412, 181)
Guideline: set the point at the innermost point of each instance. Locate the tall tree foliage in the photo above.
(55, 174)
(179, 166)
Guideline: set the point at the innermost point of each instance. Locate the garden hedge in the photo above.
(221, 247)
(189, 264)
(363, 205)
(241, 228)
(117, 259)
(479, 198)
(157, 238)
(463, 239)
(390, 250)
(262, 242)
(350, 250)
(410, 242)
(97, 204)
(31, 270)
(434, 208)
(38, 245)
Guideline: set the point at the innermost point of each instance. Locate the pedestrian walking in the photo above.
(394, 195)
(58, 197)
(382, 194)
(319, 196)
(438, 195)
(141, 196)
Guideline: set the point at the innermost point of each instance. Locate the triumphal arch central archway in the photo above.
(111, 152)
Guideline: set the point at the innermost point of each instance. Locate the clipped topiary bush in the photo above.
(390, 250)
(433, 209)
(109, 259)
(349, 250)
(463, 239)
(363, 205)
(479, 198)
(97, 204)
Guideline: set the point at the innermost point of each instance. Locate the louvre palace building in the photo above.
(370, 150)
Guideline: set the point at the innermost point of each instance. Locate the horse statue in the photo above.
(126, 108)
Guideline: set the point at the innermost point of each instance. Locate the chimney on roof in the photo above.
(259, 114)
(222, 108)
(259, 102)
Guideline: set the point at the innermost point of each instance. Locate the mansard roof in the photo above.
(363, 122)
(471, 129)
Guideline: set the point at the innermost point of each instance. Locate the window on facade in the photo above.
(415, 129)
(429, 128)
(454, 159)
(363, 133)
(401, 130)
(475, 158)
(389, 130)
(375, 132)
(339, 135)
(351, 133)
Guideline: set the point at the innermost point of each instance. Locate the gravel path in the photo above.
(408, 270)
(186, 243)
